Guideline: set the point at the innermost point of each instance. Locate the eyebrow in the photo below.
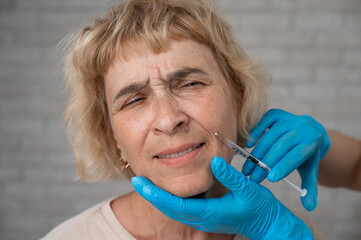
(134, 87)
(182, 73)
(178, 74)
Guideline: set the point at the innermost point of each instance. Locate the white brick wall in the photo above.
(312, 49)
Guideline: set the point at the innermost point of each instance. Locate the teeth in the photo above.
(173, 155)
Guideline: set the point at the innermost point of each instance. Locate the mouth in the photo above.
(181, 153)
(179, 156)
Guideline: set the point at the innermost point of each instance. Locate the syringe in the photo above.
(256, 161)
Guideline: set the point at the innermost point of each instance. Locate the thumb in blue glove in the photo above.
(248, 209)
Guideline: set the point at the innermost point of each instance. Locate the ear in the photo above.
(119, 152)
(118, 149)
(118, 146)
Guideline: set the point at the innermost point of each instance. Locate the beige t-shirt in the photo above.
(99, 222)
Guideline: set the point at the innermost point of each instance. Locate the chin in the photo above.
(188, 187)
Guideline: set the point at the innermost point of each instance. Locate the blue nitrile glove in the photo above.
(291, 142)
(248, 209)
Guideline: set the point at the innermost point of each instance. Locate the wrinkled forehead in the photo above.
(139, 57)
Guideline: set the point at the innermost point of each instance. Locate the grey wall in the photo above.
(312, 48)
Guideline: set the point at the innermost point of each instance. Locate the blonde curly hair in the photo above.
(91, 51)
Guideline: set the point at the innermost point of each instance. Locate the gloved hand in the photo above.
(248, 209)
(291, 142)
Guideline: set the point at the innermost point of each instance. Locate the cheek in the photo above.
(216, 111)
(126, 134)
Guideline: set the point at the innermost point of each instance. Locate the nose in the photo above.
(168, 117)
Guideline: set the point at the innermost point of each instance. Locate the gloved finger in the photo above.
(190, 220)
(245, 196)
(229, 177)
(275, 153)
(158, 196)
(192, 212)
(269, 143)
(197, 222)
(269, 138)
(248, 167)
(214, 209)
(258, 175)
(309, 173)
(266, 122)
(292, 160)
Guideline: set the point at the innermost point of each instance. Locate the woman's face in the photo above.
(160, 108)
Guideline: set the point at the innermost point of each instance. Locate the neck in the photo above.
(144, 221)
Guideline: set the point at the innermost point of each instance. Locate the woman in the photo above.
(147, 81)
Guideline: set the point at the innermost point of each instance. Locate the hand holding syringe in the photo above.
(285, 142)
(256, 161)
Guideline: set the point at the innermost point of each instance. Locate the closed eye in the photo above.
(190, 84)
(133, 101)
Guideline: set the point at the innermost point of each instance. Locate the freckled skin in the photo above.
(163, 119)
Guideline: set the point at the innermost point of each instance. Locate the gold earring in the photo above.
(125, 164)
